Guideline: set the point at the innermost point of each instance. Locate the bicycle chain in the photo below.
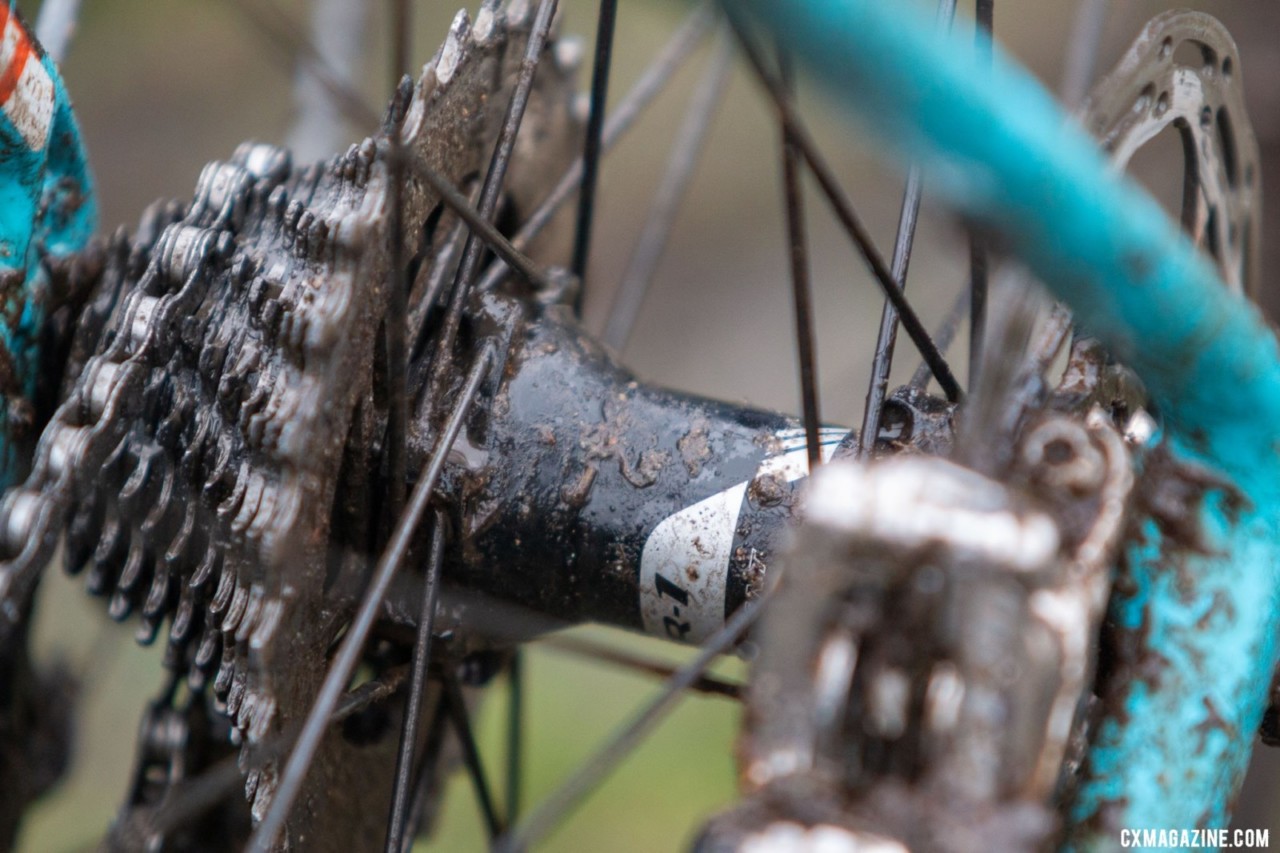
(222, 364)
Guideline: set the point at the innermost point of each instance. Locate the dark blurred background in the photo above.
(161, 88)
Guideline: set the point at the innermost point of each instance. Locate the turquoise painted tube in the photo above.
(1174, 744)
(47, 210)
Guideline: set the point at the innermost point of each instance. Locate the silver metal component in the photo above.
(923, 502)
(870, 533)
(183, 247)
(66, 445)
(1059, 454)
(222, 195)
(787, 837)
(833, 676)
(144, 308)
(101, 379)
(934, 636)
(450, 53)
(264, 162)
(1073, 607)
(1140, 429)
(21, 511)
(486, 26)
(943, 699)
(1153, 89)
(887, 706)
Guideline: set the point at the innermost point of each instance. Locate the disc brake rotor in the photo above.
(1153, 88)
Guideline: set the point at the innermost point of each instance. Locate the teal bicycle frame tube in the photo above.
(47, 210)
(1175, 741)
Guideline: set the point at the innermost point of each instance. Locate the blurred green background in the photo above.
(163, 87)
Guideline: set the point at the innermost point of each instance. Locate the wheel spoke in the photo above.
(848, 217)
(984, 15)
(456, 707)
(56, 25)
(978, 275)
(686, 149)
(1023, 350)
(944, 336)
(401, 39)
(396, 320)
(395, 330)
(268, 18)
(882, 362)
(887, 338)
(515, 735)
(591, 149)
(479, 227)
(1082, 50)
(430, 281)
(497, 619)
(427, 772)
(353, 643)
(491, 190)
(565, 798)
(337, 33)
(651, 82)
(361, 697)
(801, 288)
(405, 777)
(994, 408)
(581, 648)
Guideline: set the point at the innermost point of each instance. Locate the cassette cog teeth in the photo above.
(214, 381)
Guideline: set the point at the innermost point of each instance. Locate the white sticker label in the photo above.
(684, 567)
(26, 89)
